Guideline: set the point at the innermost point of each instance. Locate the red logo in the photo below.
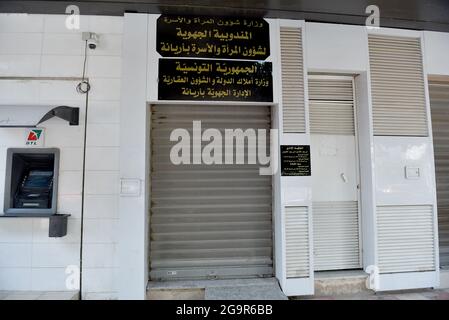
(33, 136)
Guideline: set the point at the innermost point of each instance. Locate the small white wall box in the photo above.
(31, 186)
(412, 173)
(130, 187)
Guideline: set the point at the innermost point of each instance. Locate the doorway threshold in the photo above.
(226, 289)
(341, 282)
(338, 274)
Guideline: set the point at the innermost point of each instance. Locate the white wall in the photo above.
(133, 225)
(29, 259)
(436, 49)
(336, 48)
(41, 46)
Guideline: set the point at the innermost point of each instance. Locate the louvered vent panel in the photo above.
(297, 242)
(331, 106)
(336, 235)
(292, 80)
(405, 238)
(397, 86)
(439, 104)
(330, 89)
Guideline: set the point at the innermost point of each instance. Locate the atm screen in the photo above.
(39, 180)
(35, 191)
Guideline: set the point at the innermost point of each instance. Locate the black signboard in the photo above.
(213, 37)
(215, 80)
(295, 161)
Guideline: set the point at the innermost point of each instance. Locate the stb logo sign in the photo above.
(34, 137)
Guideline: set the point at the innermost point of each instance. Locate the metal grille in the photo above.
(297, 242)
(292, 80)
(336, 235)
(397, 86)
(439, 102)
(208, 221)
(405, 238)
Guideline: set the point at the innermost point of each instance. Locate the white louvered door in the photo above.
(208, 221)
(405, 226)
(336, 222)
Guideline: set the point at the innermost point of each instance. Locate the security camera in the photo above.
(91, 38)
(92, 43)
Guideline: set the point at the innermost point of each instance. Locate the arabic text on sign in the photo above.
(232, 38)
(187, 79)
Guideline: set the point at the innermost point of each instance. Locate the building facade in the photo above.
(366, 107)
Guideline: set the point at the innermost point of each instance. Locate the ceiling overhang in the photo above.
(410, 14)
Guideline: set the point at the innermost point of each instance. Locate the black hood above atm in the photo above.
(33, 115)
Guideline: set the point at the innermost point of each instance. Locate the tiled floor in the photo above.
(438, 294)
(38, 295)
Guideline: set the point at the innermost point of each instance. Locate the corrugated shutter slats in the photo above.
(397, 86)
(405, 238)
(208, 221)
(297, 242)
(439, 104)
(292, 80)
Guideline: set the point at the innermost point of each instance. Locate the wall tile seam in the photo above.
(28, 243)
(98, 145)
(101, 268)
(39, 268)
(102, 219)
(105, 122)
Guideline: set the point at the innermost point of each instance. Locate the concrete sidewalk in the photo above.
(428, 294)
(39, 295)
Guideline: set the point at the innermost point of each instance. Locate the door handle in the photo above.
(344, 178)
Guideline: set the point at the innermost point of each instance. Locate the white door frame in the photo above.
(313, 76)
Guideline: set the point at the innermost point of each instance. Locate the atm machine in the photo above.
(31, 186)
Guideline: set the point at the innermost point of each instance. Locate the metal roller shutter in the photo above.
(292, 80)
(405, 238)
(397, 86)
(297, 242)
(439, 103)
(208, 221)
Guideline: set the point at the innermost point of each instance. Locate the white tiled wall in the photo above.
(41, 46)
